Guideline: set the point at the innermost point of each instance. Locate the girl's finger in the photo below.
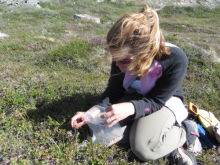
(108, 109)
(107, 114)
(110, 119)
(77, 115)
(73, 123)
(113, 123)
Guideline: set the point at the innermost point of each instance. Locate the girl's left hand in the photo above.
(77, 120)
(118, 112)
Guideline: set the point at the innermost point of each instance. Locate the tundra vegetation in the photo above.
(53, 65)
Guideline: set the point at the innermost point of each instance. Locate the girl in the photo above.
(144, 90)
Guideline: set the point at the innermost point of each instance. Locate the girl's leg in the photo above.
(156, 135)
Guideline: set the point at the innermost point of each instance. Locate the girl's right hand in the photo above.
(77, 120)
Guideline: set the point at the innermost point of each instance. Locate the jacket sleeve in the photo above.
(115, 89)
(173, 72)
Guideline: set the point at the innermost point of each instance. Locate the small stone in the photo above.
(2, 35)
(86, 17)
(99, 1)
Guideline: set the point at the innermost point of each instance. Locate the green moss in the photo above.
(178, 27)
(11, 46)
(171, 39)
(197, 89)
(130, 4)
(196, 12)
(67, 55)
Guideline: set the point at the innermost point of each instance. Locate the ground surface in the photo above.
(52, 66)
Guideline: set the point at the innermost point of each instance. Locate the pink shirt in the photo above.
(147, 82)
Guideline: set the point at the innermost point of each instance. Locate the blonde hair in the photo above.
(137, 34)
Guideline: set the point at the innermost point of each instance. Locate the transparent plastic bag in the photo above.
(101, 134)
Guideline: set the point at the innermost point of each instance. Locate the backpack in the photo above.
(207, 119)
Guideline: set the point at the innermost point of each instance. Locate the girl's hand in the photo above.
(118, 112)
(77, 120)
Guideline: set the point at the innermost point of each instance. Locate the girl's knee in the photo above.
(143, 152)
